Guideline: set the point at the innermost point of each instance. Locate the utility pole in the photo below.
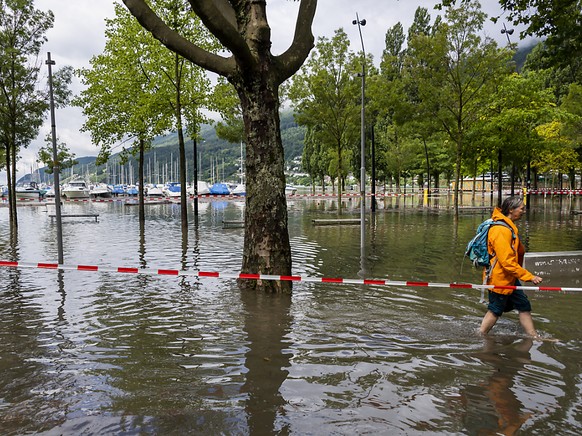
(361, 23)
(56, 163)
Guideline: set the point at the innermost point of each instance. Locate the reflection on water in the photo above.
(102, 353)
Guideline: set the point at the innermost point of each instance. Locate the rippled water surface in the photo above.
(109, 353)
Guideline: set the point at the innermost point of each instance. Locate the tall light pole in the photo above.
(361, 23)
(507, 32)
(56, 163)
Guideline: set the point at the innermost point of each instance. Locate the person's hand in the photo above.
(536, 280)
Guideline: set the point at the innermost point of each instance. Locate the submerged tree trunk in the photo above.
(266, 243)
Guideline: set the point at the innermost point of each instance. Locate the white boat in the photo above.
(203, 188)
(172, 190)
(50, 193)
(290, 190)
(239, 189)
(152, 190)
(29, 191)
(76, 189)
(100, 190)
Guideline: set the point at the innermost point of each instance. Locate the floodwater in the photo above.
(96, 353)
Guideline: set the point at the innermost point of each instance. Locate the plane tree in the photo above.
(120, 101)
(24, 94)
(325, 95)
(137, 88)
(256, 73)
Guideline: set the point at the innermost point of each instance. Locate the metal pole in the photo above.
(361, 23)
(373, 204)
(56, 163)
(195, 179)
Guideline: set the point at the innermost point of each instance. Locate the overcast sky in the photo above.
(78, 34)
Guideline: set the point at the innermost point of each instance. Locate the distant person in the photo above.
(507, 270)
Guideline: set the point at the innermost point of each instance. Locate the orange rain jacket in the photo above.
(508, 254)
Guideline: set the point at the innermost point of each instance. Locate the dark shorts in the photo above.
(499, 303)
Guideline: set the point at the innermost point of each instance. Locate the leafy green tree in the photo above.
(556, 21)
(65, 158)
(23, 100)
(138, 87)
(226, 102)
(325, 94)
(454, 70)
(558, 77)
(395, 104)
(559, 156)
(315, 158)
(121, 98)
(256, 74)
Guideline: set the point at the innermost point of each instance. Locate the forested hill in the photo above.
(213, 152)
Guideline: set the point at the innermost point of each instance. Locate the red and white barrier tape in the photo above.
(246, 276)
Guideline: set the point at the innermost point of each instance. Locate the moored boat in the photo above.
(202, 186)
(76, 189)
(152, 190)
(100, 190)
(172, 190)
(117, 190)
(132, 190)
(29, 191)
(219, 189)
(239, 189)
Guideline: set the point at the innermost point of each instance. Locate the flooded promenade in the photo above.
(93, 353)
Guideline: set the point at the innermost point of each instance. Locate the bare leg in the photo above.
(488, 322)
(527, 323)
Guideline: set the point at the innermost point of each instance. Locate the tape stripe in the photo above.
(250, 276)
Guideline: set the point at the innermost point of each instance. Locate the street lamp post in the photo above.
(361, 23)
(56, 163)
(507, 32)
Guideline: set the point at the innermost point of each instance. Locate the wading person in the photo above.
(508, 251)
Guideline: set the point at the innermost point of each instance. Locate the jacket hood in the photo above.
(498, 216)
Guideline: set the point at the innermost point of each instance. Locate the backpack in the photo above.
(479, 254)
(477, 247)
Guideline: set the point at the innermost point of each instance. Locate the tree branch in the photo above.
(175, 42)
(219, 17)
(303, 41)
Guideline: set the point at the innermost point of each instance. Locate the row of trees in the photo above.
(443, 102)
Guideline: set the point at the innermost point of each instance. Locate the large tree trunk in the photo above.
(266, 243)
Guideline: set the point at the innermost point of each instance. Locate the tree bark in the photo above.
(266, 244)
